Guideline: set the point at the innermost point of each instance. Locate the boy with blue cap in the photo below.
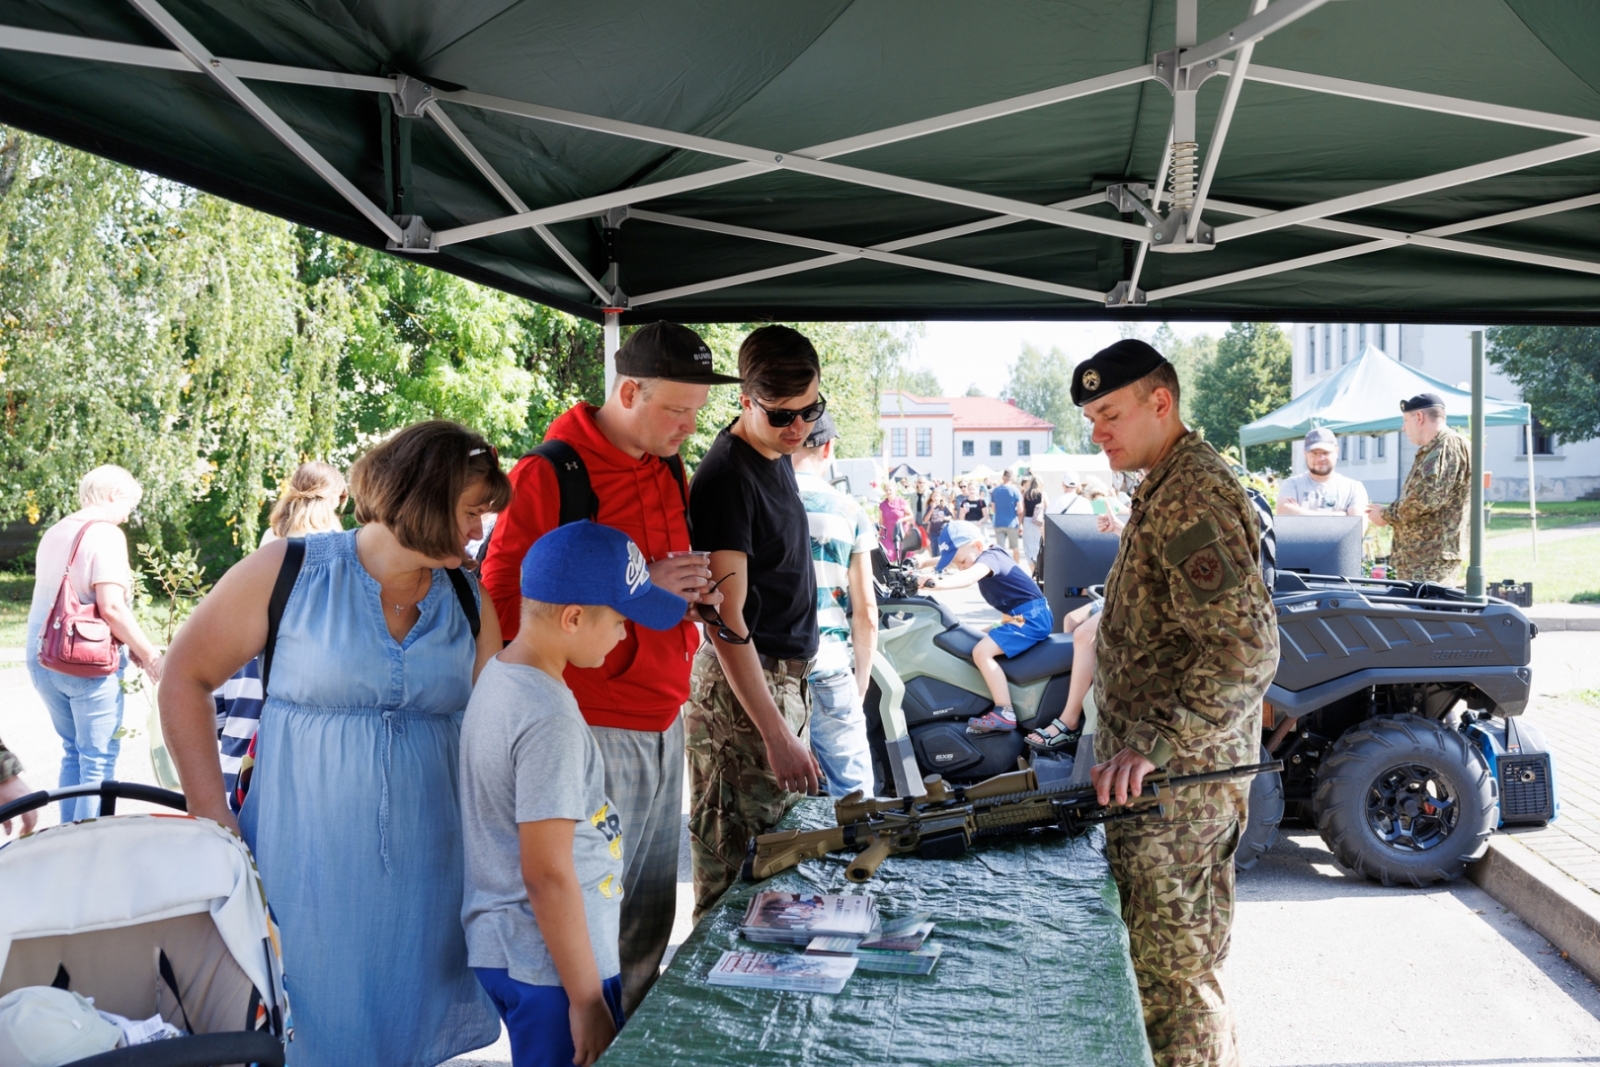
(543, 842)
(1026, 617)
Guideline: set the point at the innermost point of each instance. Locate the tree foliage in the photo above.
(921, 382)
(1558, 370)
(1248, 377)
(1041, 384)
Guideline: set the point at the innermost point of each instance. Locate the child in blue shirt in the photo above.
(1008, 588)
(543, 844)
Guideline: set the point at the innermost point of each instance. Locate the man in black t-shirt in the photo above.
(748, 702)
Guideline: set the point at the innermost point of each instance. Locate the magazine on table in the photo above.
(795, 918)
(776, 970)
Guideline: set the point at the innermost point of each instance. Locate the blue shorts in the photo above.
(536, 1016)
(1037, 624)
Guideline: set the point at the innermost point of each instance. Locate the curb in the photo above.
(1564, 910)
(1549, 623)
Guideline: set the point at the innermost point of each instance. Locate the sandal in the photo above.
(991, 722)
(1064, 737)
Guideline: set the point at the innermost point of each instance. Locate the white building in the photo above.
(946, 436)
(1565, 471)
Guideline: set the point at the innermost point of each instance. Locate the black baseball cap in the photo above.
(1111, 368)
(668, 350)
(822, 432)
(1421, 402)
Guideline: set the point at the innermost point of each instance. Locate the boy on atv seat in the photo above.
(1026, 618)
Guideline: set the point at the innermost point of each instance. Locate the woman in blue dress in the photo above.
(353, 812)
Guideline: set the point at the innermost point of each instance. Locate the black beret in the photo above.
(1421, 402)
(1112, 368)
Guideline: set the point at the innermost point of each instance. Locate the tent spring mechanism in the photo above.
(1185, 174)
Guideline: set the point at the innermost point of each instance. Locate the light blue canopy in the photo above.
(1364, 397)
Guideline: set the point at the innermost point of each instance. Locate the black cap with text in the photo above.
(668, 350)
(1421, 402)
(1111, 368)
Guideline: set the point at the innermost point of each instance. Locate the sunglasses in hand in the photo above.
(709, 613)
(778, 418)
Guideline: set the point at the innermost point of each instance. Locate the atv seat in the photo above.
(1049, 657)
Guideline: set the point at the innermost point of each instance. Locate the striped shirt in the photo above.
(839, 529)
(238, 705)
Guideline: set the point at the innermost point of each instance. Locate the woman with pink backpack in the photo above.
(82, 633)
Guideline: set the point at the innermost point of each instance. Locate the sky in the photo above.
(981, 353)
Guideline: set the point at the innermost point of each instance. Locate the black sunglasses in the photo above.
(778, 418)
(708, 613)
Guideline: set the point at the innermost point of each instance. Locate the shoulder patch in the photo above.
(1189, 540)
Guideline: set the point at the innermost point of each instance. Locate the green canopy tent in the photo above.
(708, 160)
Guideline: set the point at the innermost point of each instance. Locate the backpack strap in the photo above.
(469, 603)
(674, 464)
(578, 501)
(294, 555)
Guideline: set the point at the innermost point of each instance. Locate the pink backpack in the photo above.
(75, 640)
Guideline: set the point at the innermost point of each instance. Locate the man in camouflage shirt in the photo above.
(1188, 645)
(12, 787)
(1430, 518)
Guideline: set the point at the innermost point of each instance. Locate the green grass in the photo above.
(16, 594)
(1567, 570)
(1588, 696)
(1509, 516)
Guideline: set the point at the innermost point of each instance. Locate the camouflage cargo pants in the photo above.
(1443, 571)
(733, 794)
(1176, 880)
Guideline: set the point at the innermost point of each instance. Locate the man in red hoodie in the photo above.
(632, 701)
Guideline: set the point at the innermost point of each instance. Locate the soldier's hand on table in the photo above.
(793, 764)
(1120, 777)
(1375, 515)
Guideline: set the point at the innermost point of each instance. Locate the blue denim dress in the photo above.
(355, 822)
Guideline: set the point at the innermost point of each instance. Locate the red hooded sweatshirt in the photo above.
(645, 680)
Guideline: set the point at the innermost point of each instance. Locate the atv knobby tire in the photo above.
(1265, 813)
(1405, 800)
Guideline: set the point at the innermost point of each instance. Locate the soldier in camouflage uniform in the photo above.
(745, 725)
(1188, 645)
(12, 787)
(1430, 518)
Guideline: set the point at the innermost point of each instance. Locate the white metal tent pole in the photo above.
(1475, 554)
(1533, 509)
(1219, 132)
(613, 338)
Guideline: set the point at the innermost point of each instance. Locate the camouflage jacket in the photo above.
(1430, 518)
(10, 766)
(1188, 640)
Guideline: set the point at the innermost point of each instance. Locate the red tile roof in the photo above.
(987, 413)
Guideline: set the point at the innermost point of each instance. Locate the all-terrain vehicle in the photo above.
(1393, 709)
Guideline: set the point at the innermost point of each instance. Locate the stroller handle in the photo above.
(108, 792)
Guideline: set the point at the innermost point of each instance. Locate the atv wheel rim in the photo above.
(1410, 808)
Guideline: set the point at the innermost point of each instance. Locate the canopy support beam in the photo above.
(1219, 132)
(1475, 551)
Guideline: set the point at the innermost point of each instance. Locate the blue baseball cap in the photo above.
(586, 563)
(952, 537)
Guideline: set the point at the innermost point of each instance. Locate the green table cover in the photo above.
(1035, 970)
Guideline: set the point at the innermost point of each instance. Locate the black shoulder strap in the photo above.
(294, 555)
(578, 501)
(674, 464)
(469, 603)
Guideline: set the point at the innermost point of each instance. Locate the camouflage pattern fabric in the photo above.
(1430, 518)
(733, 794)
(10, 766)
(1188, 646)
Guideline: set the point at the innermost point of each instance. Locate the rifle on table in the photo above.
(944, 823)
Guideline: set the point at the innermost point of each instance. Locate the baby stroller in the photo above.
(146, 914)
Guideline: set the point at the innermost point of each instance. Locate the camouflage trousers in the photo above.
(733, 794)
(1443, 571)
(1176, 879)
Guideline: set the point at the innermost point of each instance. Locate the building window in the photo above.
(997, 448)
(897, 441)
(1311, 350)
(1361, 449)
(1383, 440)
(1344, 449)
(1024, 448)
(1544, 442)
(966, 448)
(924, 440)
(1344, 344)
(1327, 348)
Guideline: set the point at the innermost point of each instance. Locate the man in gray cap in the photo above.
(1321, 490)
(842, 540)
(1188, 644)
(1430, 518)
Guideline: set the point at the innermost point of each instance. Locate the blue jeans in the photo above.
(839, 732)
(87, 713)
(536, 1016)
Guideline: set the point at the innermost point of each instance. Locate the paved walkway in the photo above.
(1565, 668)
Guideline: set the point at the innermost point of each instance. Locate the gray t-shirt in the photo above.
(1335, 496)
(527, 755)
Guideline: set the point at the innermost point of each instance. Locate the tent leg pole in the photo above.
(1475, 558)
(1243, 462)
(1533, 506)
(613, 341)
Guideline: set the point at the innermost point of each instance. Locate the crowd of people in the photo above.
(493, 763)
